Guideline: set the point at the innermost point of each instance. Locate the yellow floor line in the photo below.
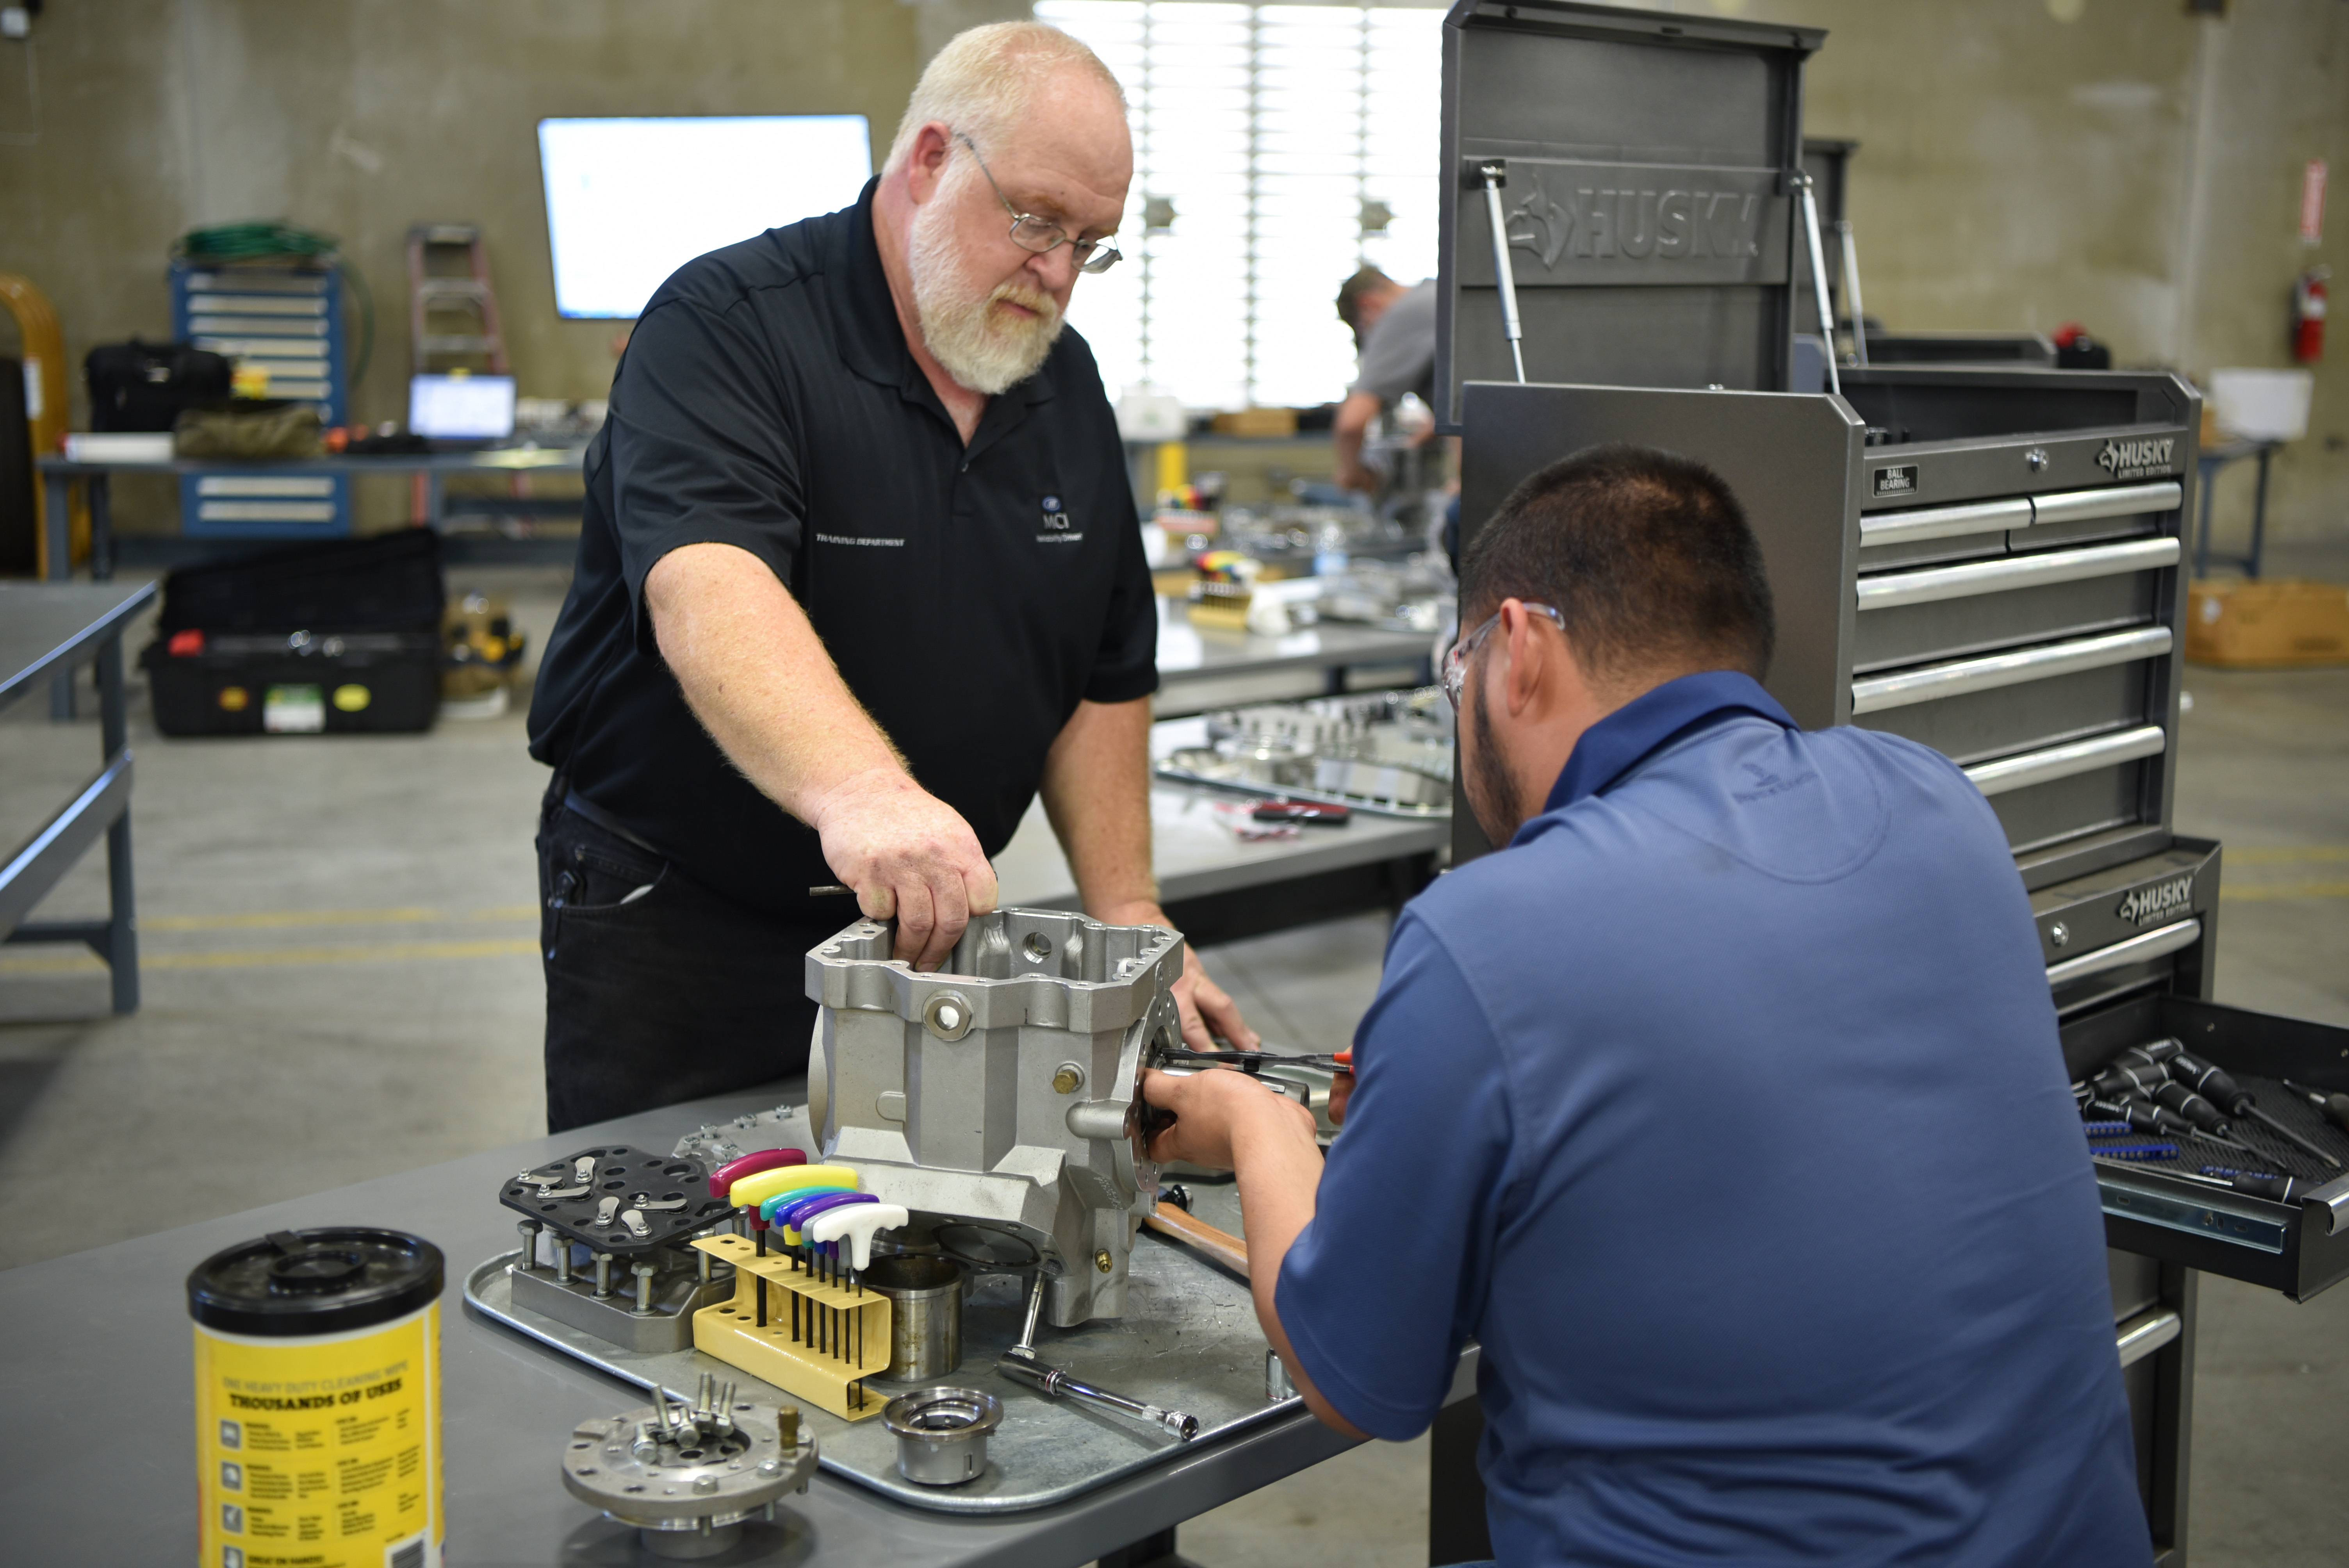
(280, 957)
(407, 917)
(2255, 894)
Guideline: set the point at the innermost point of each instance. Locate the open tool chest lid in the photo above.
(1651, 211)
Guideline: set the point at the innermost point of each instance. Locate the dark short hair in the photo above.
(1646, 554)
(1366, 279)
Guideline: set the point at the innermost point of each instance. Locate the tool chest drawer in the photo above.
(2068, 806)
(1946, 612)
(2073, 691)
(2154, 1206)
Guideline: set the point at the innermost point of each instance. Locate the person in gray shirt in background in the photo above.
(1394, 338)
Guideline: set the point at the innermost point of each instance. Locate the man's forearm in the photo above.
(1280, 1177)
(1096, 791)
(744, 655)
(1347, 428)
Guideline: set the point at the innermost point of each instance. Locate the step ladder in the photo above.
(452, 325)
(448, 276)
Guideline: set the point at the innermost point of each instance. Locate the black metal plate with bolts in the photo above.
(591, 1197)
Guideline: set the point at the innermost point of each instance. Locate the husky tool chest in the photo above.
(340, 636)
(1988, 561)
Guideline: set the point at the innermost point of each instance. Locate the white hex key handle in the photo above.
(855, 1223)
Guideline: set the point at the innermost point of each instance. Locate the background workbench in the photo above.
(47, 629)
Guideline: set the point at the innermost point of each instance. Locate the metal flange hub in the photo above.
(686, 1476)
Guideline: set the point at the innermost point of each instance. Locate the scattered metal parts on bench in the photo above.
(1278, 1384)
(1056, 1383)
(687, 1475)
(942, 1433)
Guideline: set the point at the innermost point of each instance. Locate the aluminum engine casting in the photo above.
(997, 1097)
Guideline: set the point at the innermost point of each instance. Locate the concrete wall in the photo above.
(2023, 162)
(362, 117)
(2117, 162)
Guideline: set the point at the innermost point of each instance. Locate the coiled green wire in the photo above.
(266, 238)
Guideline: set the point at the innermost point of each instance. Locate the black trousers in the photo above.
(658, 989)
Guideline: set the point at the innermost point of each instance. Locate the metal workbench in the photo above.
(60, 475)
(1192, 656)
(47, 630)
(108, 1329)
(1216, 889)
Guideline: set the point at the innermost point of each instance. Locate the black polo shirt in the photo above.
(970, 595)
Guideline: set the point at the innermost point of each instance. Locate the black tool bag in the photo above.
(138, 385)
(335, 637)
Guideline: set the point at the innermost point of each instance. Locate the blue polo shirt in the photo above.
(1725, 1109)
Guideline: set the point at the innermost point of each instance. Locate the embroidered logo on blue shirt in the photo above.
(1766, 783)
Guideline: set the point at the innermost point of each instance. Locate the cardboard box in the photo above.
(1258, 422)
(2274, 622)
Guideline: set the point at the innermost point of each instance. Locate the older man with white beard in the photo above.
(859, 576)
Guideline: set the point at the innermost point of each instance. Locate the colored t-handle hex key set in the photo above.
(2155, 1102)
(798, 1315)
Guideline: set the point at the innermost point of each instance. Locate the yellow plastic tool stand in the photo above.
(816, 1339)
(756, 1189)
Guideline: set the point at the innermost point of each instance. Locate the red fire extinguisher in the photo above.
(2308, 315)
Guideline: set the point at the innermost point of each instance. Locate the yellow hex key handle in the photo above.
(754, 1190)
(856, 1226)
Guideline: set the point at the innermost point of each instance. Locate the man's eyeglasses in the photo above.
(1041, 235)
(1455, 662)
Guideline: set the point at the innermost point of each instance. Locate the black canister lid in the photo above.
(293, 1283)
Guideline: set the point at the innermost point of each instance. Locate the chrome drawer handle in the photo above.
(2062, 761)
(1962, 676)
(2147, 1332)
(2122, 500)
(1883, 592)
(2018, 512)
(2152, 944)
(1945, 521)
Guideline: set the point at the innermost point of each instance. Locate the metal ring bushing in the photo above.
(942, 1433)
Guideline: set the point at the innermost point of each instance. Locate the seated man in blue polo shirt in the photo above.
(1722, 1108)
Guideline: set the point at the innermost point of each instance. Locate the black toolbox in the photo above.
(337, 636)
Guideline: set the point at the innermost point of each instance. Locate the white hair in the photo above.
(985, 79)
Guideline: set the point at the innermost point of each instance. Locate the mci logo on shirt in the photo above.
(1057, 528)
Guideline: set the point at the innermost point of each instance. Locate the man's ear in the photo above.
(926, 160)
(1531, 665)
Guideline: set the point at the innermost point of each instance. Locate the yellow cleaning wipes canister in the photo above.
(318, 1401)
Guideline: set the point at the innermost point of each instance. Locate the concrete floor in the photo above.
(341, 982)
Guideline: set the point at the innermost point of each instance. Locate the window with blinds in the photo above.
(1277, 148)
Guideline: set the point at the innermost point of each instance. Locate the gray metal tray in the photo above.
(1190, 1342)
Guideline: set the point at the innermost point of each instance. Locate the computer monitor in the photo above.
(628, 202)
(460, 408)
